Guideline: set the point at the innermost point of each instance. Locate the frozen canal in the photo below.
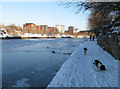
(31, 63)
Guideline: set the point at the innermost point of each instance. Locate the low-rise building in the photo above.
(61, 28)
(28, 26)
(52, 30)
(42, 28)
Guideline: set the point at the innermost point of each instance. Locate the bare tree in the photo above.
(100, 12)
(104, 7)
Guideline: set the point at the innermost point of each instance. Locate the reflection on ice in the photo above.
(22, 83)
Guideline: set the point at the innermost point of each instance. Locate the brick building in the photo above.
(28, 26)
(42, 28)
(52, 30)
(39, 28)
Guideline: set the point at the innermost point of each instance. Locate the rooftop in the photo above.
(28, 23)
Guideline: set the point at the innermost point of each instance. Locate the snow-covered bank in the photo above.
(79, 71)
(9, 35)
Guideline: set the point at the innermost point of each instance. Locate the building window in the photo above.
(32, 25)
(41, 27)
(44, 27)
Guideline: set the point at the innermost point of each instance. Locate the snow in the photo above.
(34, 35)
(3, 33)
(100, 34)
(116, 29)
(83, 36)
(22, 83)
(62, 36)
(118, 38)
(21, 34)
(109, 36)
(58, 36)
(2, 30)
(117, 22)
(79, 71)
(105, 26)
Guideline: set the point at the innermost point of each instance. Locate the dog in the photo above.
(99, 65)
(85, 51)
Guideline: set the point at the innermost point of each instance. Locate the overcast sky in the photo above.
(41, 13)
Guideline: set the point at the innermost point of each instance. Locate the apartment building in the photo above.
(61, 28)
(39, 28)
(42, 28)
(28, 26)
(71, 29)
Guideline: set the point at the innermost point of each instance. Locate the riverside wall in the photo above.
(110, 44)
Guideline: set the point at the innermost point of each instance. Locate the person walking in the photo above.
(90, 37)
(93, 37)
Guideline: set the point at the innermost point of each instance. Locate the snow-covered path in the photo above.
(79, 71)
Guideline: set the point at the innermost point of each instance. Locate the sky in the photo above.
(41, 13)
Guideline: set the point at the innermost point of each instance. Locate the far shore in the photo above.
(19, 37)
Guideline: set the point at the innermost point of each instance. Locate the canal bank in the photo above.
(34, 37)
(79, 71)
(39, 37)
